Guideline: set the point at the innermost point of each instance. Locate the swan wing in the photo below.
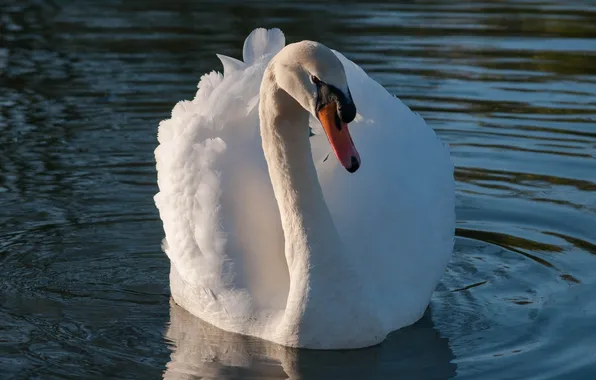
(396, 213)
(222, 227)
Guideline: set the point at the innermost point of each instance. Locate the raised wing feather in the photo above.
(221, 221)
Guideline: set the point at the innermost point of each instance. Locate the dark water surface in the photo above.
(511, 85)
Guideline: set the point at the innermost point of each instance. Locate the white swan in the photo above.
(269, 236)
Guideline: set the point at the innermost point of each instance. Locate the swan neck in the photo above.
(310, 235)
(323, 280)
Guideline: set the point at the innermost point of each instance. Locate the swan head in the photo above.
(311, 73)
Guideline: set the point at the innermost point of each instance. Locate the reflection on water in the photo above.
(510, 85)
(209, 353)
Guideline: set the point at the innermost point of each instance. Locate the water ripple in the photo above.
(509, 85)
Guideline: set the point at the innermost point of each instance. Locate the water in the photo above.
(84, 286)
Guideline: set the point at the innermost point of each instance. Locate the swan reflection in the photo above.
(201, 351)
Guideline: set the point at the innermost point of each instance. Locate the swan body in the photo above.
(268, 234)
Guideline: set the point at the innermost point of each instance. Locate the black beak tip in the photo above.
(354, 166)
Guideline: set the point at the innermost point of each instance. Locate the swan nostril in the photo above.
(354, 165)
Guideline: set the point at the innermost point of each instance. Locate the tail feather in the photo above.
(230, 65)
(261, 42)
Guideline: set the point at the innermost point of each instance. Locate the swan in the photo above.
(285, 223)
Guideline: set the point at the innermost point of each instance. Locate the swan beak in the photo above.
(339, 137)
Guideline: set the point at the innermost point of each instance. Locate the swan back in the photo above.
(400, 222)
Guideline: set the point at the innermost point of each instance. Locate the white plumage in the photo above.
(231, 264)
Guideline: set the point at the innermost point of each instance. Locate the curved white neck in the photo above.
(313, 249)
(310, 234)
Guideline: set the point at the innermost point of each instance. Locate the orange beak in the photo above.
(339, 137)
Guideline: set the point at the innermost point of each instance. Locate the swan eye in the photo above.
(315, 80)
